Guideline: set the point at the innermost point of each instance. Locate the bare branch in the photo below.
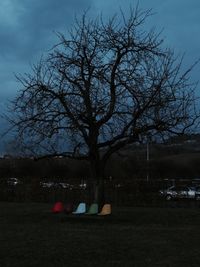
(105, 86)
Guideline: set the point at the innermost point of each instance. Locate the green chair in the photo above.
(93, 209)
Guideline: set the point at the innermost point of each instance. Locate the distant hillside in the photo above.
(175, 158)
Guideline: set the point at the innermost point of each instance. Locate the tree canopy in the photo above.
(106, 84)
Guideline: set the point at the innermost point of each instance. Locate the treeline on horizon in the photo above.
(165, 161)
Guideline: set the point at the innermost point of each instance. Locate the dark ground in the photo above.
(31, 236)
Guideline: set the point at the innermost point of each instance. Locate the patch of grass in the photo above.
(31, 236)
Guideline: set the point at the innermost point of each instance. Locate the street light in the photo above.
(147, 159)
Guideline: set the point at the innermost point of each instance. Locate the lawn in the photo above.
(31, 236)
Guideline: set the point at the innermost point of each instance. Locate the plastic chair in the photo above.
(80, 209)
(68, 208)
(93, 209)
(106, 210)
(58, 207)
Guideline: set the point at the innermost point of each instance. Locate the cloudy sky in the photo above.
(27, 30)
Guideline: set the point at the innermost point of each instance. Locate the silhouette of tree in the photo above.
(105, 85)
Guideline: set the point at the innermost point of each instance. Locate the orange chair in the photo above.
(106, 210)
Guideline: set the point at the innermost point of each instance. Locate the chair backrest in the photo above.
(68, 208)
(58, 207)
(106, 210)
(80, 209)
(93, 209)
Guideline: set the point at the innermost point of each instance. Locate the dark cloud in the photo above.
(179, 20)
(27, 30)
(28, 25)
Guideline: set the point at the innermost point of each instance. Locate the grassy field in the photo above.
(31, 235)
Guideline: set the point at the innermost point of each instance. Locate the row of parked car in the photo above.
(48, 184)
(62, 185)
(181, 192)
(173, 192)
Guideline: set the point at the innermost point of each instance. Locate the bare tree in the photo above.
(104, 86)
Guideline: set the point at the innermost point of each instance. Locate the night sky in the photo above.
(27, 31)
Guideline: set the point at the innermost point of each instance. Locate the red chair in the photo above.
(58, 207)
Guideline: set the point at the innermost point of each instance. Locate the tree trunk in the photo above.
(97, 182)
(98, 191)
